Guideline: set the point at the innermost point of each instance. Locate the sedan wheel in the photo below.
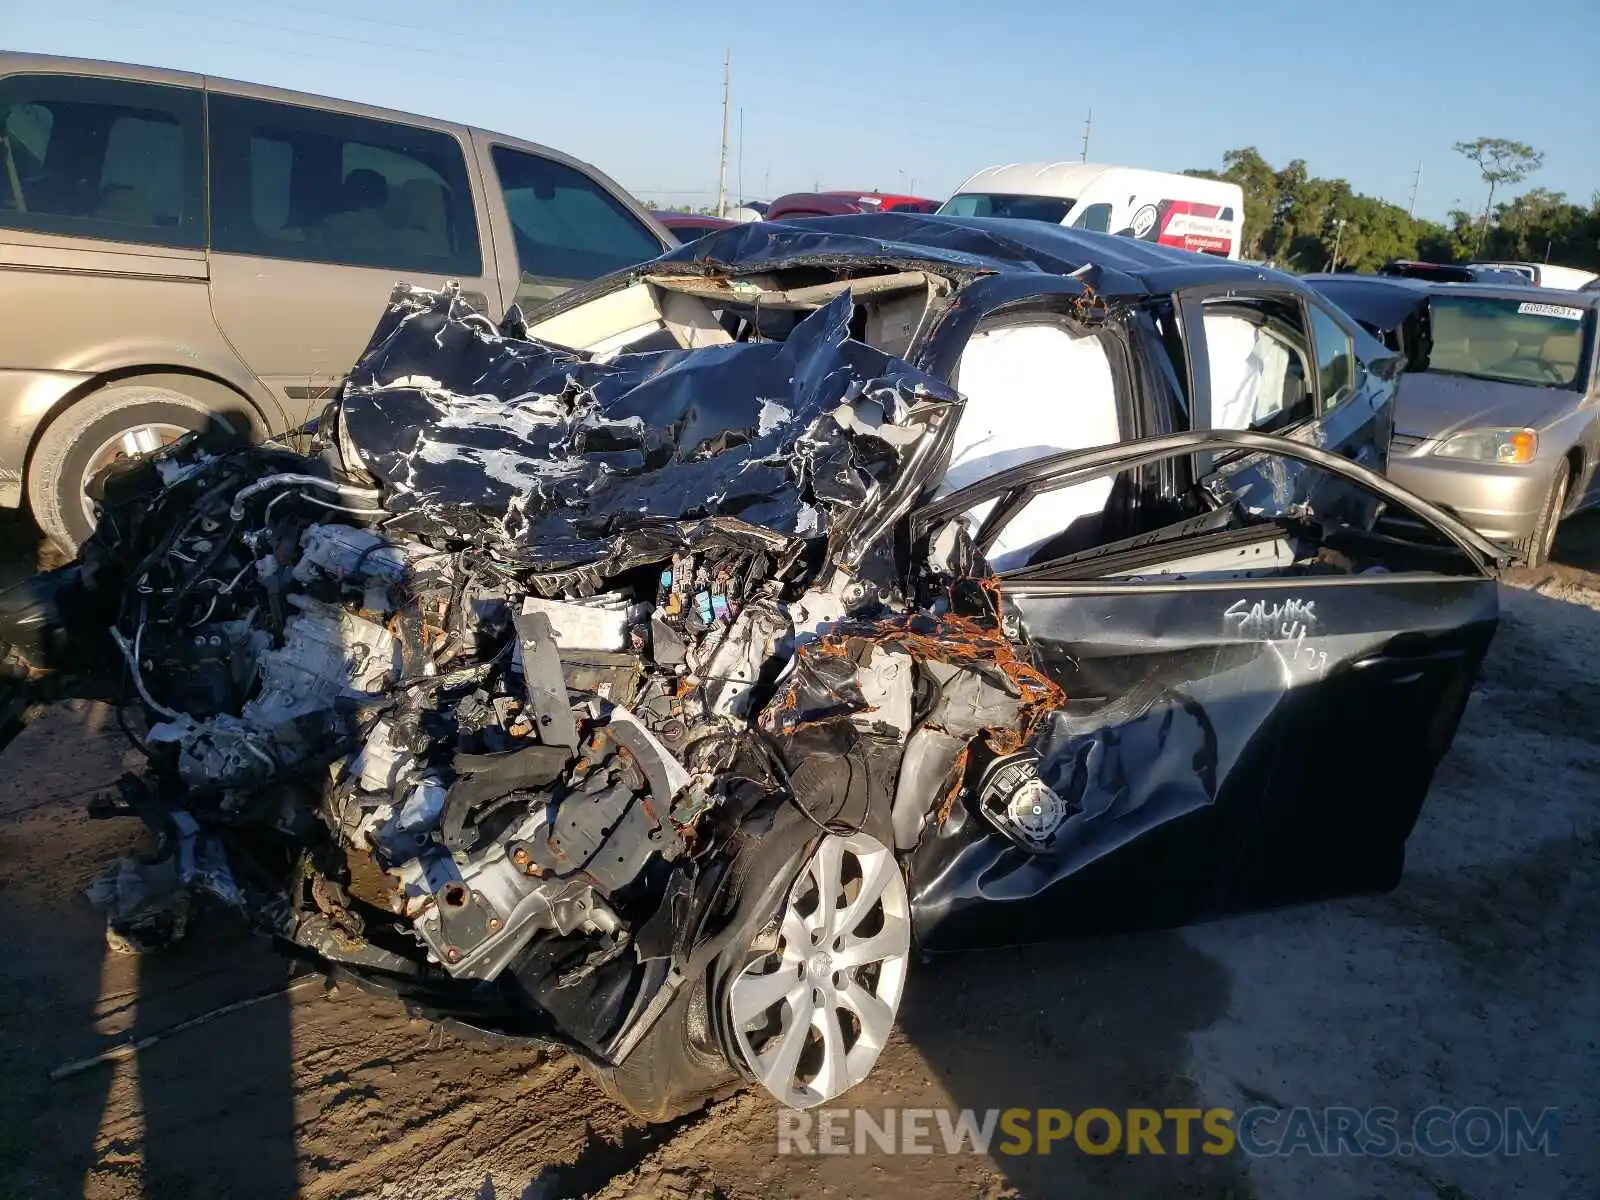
(1543, 539)
(811, 1016)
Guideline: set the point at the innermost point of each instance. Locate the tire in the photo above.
(677, 1067)
(1536, 550)
(72, 445)
(695, 1053)
(810, 1018)
(682, 1062)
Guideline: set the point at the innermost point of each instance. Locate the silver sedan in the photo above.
(1498, 415)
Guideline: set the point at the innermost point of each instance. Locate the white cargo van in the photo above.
(1183, 211)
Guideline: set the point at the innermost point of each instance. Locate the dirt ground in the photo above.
(1476, 982)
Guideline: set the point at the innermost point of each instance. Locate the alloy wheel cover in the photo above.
(811, 1017)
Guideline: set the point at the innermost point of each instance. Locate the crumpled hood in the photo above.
(550, 454)
(1437, 405)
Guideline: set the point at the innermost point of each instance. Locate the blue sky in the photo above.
(880, 95)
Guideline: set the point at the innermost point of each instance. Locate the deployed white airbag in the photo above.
(1032, 391)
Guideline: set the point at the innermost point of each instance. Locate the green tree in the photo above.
(1301, 220)
(1259, 183)
(1500, 160)
(1292, 216)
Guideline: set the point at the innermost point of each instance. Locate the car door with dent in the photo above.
(1250, 719)
(1275, 359)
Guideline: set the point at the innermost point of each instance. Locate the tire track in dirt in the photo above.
(401, 1100)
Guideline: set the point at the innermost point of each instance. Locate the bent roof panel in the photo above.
(991, 244)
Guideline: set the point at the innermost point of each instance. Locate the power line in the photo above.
(722, 169)
(192, 36)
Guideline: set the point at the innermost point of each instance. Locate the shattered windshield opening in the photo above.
(659, 311)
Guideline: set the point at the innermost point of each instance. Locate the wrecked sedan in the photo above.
(649, 706)
(1058, 338)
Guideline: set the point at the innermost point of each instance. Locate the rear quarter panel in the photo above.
(85, 311)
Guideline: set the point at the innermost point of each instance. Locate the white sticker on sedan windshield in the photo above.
(1551, 310)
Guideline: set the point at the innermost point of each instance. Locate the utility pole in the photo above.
(722, 170)
(741, 156)
(1416, 182)
(1087, 121)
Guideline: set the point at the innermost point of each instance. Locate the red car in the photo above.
(688, 226)
(840, 204)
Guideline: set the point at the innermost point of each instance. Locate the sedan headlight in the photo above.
(1508, 446)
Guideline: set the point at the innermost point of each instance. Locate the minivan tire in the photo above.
(60, 464)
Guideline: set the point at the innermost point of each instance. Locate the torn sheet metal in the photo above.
(551, 455)
(1208, 704)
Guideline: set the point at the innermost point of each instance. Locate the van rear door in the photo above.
(315, 214)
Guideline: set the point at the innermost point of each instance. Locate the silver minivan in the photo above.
(177, 250)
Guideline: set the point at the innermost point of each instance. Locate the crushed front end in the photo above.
(467, 700)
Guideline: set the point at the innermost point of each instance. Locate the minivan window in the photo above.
(101, 158)
(567, 228)
(308, 184)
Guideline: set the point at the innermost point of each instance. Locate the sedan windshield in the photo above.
(1053, 209)
(1507, 340)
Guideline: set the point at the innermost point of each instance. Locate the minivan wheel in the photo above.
(1543, 539)
(112, 423)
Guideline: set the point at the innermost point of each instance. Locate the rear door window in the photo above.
(304, 183)
(102, 158)
(567, 228)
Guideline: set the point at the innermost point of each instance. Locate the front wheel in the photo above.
(813, 989)
(113, 423)
(811, 1015)
(1543, 538)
